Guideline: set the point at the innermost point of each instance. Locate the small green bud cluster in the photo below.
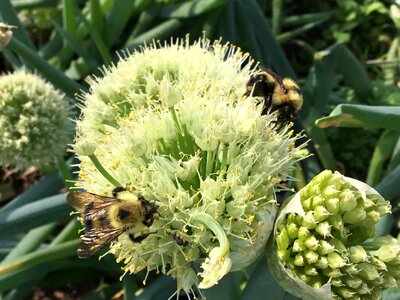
(322, 243)
(33, 121)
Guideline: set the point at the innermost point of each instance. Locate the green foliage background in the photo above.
(344, 54)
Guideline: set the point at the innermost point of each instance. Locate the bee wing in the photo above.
(276, 77)
(81, 200)
(94, 240)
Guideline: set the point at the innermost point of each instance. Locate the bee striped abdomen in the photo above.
(88, 223)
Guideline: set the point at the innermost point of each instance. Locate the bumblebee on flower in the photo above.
(176, 131)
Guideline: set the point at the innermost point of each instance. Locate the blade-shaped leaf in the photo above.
(9, 16)
(161, 31)
(53, 75)
(354, 72)
(30, 4)
(389, 187)
(48, 186)
(161, 288)
(262, 283)
(47, 254)
(190, 9)
(34, 214)
(30, 242)
(226, 289)
(382, 152)
(348, 115)
(304, 19)
(391, 294)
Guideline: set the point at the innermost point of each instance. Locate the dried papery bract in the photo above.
(171, 124)
(323, 246)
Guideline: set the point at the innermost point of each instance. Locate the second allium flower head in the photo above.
(170, 124)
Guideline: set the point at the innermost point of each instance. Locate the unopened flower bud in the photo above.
(332, 205)
(318, 201)
(387, 253)
(348, 201)
(324, 229)
(322, 263)
(299, 260)
(292, 230)
(377, 263)
(298, 246)
(303, 233)
(356, 215)
(357, 254)
(310, 270)
(335, 261)
(325, 247)
(330, 192)
(389, 281)
(352, 282)
(321, 213)
(309, 220)
(283, 239)
(346, 293)
(283, 254)
(84, 148)
(367, 271)
(311, 243)
(332, 273)
(311, 256)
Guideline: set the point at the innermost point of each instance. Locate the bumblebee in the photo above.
(105, 218)
(177, 237)
(282, 95)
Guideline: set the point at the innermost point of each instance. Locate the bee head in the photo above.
(288, 94)
(294, 96)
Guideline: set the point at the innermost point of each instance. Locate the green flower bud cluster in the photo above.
(171, 124)
(33, 121)
(320, 236)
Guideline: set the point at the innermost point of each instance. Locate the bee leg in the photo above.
(285, 115)
(139, 238)
(148, 221)
(267, 105)
(118, 190)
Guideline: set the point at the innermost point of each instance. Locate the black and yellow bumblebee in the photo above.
(281, 95)
(179, 240)
(105, 218)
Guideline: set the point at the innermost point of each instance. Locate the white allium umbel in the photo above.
(323, 246)
(171, 124)
(33, 121)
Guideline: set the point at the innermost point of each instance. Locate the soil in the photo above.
(14, 181)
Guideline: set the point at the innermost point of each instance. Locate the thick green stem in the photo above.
(65, 172)
(215, 227)
(224, 158)
(209, 163)
(103, 171)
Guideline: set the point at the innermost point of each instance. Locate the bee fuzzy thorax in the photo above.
(126, 214)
